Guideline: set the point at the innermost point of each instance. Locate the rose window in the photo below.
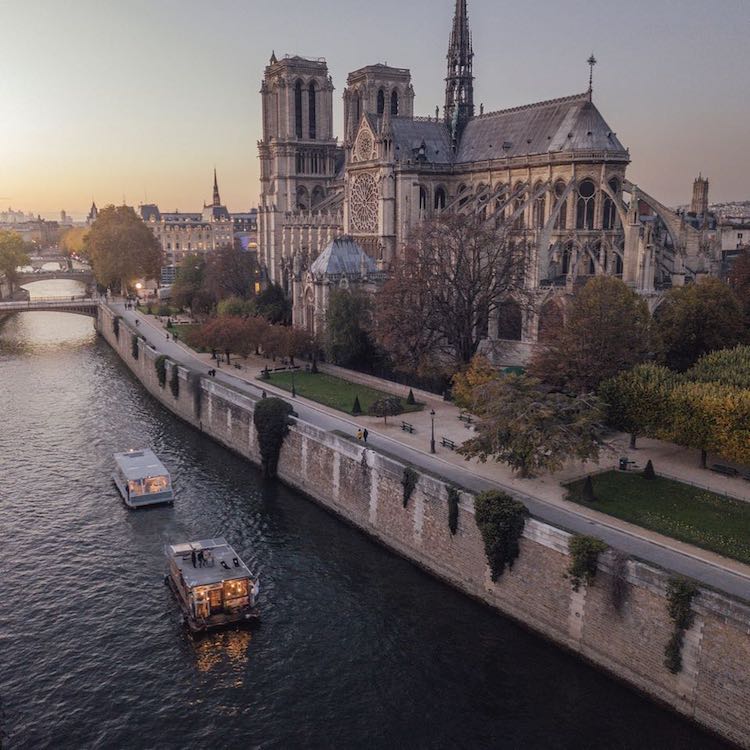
(363, 204)
(364, 145)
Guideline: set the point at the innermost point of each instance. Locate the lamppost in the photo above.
(432, 439)
(294, 392)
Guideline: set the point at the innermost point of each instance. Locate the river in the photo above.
(357, 647)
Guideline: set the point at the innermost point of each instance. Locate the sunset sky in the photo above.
(139, 99)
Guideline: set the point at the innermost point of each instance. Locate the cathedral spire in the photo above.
(459, 83)
(217, 198)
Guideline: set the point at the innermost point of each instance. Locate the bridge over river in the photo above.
(81, 305)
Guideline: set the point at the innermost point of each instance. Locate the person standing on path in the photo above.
(359, 434)
(365, 433)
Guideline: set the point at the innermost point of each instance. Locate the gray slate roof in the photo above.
(569, 124)
(342, 257)
(408, 136)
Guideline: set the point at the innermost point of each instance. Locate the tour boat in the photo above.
(142, 479)
(213, 586)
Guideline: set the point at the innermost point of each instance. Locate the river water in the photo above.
(357, 647)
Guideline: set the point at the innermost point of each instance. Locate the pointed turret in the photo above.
(217, 198)
(459, 83)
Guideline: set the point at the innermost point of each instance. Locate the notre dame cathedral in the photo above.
(553, 174)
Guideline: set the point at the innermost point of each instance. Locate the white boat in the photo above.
(213, 586)
(142, 479)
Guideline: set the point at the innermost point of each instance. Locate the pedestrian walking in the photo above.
(365, 433)
(359, 434)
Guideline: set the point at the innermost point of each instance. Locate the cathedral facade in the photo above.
(551, 174)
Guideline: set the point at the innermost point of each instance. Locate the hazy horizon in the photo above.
(109, 101)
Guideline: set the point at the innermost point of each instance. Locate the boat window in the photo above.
(235, 589)
(156, 484)
(135, 487)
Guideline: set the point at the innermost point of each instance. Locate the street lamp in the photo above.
(432, 439)
(294, 392)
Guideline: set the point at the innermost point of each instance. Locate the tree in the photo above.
(455, 274)
(12, 255)
(255, 330)
(236, 307)
(696, 319)
(607, 330)
(274, 305)
(739, 281)
(231, 272)
(348, 317)
(479, 372)
(225, 334)
(122, 248)
(73, 241)
(296, 343)
(531, 428)
(726, 366)
(637, 401)
(188, 283)
(388, 406)
(712, 418)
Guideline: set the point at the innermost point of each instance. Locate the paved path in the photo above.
(546, 503)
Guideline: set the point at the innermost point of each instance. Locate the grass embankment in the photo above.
(684, 512)
(334, 392)
(183, 330)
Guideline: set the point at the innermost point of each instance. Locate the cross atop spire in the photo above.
(591, 61)
(459, 83)
(217, 198)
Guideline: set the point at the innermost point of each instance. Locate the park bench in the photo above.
(237, 366)
(727, 471)
(466, 417)
(446, 443)
(406, 427)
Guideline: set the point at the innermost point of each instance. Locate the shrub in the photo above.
(356, 409)
(453, 497)
(584, 554)
(410, 398)
(500, 520)
(409, 482)
(587, 492)
(116, 326)
(648, 472)
(134, 346)
(618, 590)
(164, 310)
(680, 595)
(271, 419)
(149, 309)
(160, 365)
(174, 381)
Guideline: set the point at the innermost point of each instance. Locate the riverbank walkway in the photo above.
(543, 496)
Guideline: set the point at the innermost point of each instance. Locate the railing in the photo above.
(49, 302)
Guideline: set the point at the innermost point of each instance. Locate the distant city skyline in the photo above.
(105, 101)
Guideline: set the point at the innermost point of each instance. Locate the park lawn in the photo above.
(334, 392)
(183, 330)
(684, 512)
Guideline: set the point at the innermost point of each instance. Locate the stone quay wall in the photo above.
(364, 487)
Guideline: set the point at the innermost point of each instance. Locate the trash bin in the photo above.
(624, 464)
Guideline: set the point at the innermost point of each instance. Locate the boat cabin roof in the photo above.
(140, 464)
(221, 552)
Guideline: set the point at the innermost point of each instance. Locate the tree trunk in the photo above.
(704, 456)
(633, 437)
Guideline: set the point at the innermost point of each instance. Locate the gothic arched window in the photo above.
(439, 199)
(381, 102)
(312, 115)
(422, 202)
(562, 217)
(518, 207)
(318, 194)
(298, 109)
(565, 264)
(585, 205)
(618, 264)
(394, 103)
(303, 200)
(540, 205)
